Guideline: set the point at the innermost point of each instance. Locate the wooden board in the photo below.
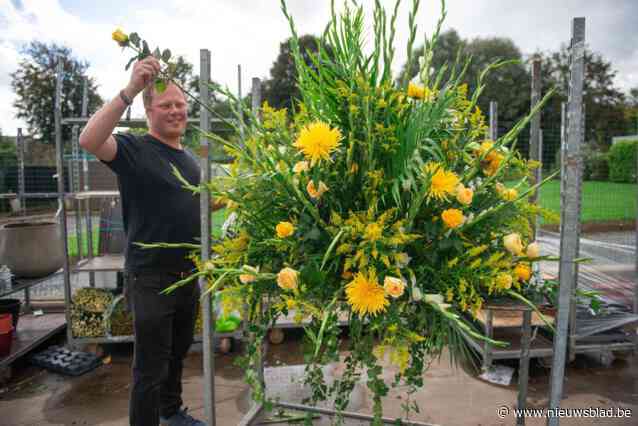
(511, 318)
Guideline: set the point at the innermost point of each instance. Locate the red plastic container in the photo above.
(6, 338)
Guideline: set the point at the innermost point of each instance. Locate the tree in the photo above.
(509, 85)
(605, 105)
(34, 84)
(281, 91)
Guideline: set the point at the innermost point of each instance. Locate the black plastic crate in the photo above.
(64, 361)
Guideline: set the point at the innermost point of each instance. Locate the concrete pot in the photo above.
(31, 249)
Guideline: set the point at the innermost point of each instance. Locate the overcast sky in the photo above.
(248, 32)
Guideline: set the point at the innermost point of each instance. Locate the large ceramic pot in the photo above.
(31, 249)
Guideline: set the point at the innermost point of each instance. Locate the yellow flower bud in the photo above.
(247, 278)
(285, 229)
(513, 243)
(415, 91)
(533, 250)
(394, 286)
(287, 279)
(119, 36)
(464, 195)
(301, 166)
(453, 218)
(314, 192)
(510, 194)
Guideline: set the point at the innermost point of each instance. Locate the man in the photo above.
(155, 208)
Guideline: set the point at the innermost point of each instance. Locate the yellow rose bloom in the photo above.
(453, 218)
(285, 229)
(523, 272)
(394, 286)
(464, 195)
(301, 166)
(504, 281)
(120, 37)
(513, 243)
(533, 250)
(287, 279)
(415, 91)
(314, 192)
(365, 295)
(317, 141)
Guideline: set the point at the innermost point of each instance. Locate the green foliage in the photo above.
(34, 85)
(622, 161)
(596, 166)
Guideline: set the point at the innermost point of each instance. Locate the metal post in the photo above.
(207, 313)
(75, 186)
(636, 234)
(85, 173)
(59, 149)
(493, 130)
(534, 134)
(569, 213)
(489, 331)
(21, 182)
(241, 105)
(523, 365)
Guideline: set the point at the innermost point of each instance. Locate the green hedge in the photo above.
(622, 161)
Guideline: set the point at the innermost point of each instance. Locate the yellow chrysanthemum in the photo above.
(523, 272)
(317, 141)
(373, 232)
(120, 37)
(442, 183)
(365, 295)
(453, 218)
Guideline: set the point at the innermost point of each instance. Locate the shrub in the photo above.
(622, 161)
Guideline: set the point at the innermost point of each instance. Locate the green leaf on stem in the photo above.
(134, 38)
(160, 85)
(166, 55)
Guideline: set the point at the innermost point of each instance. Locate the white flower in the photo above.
(417, 296)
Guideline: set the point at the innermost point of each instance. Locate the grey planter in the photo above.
(31, 249)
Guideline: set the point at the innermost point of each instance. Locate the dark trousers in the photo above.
(163, 326)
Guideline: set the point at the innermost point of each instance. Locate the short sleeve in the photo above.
(126, 154)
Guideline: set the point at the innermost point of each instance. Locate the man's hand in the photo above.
(143, 74)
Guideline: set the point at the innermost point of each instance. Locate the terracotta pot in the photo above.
(31, 249)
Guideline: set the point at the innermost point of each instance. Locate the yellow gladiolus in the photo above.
(415, 91)
(301, 166)
(314, 192)
(464, 195)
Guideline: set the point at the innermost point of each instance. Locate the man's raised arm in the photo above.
(97, 136)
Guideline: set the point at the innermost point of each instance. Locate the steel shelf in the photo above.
(110, 262)
(540, 346)
(21, 284)
(129, 339)
(32, 331)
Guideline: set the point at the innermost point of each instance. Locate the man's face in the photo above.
(168, 112)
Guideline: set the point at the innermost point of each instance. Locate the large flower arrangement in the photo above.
(376, 198)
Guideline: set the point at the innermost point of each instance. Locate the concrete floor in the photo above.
(449, 397)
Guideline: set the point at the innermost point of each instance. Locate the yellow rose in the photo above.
(453, 218)
(513, 243)
(523, 272)
(533, 250)
(301, 166)
(285, 229)
(119, 36)
(287, 279)
(504, 281)
(394, 286)
(464, 195)
(314, 192)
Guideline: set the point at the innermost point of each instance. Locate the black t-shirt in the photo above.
(155, 205)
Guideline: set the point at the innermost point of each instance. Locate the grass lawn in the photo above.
(601, 202)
